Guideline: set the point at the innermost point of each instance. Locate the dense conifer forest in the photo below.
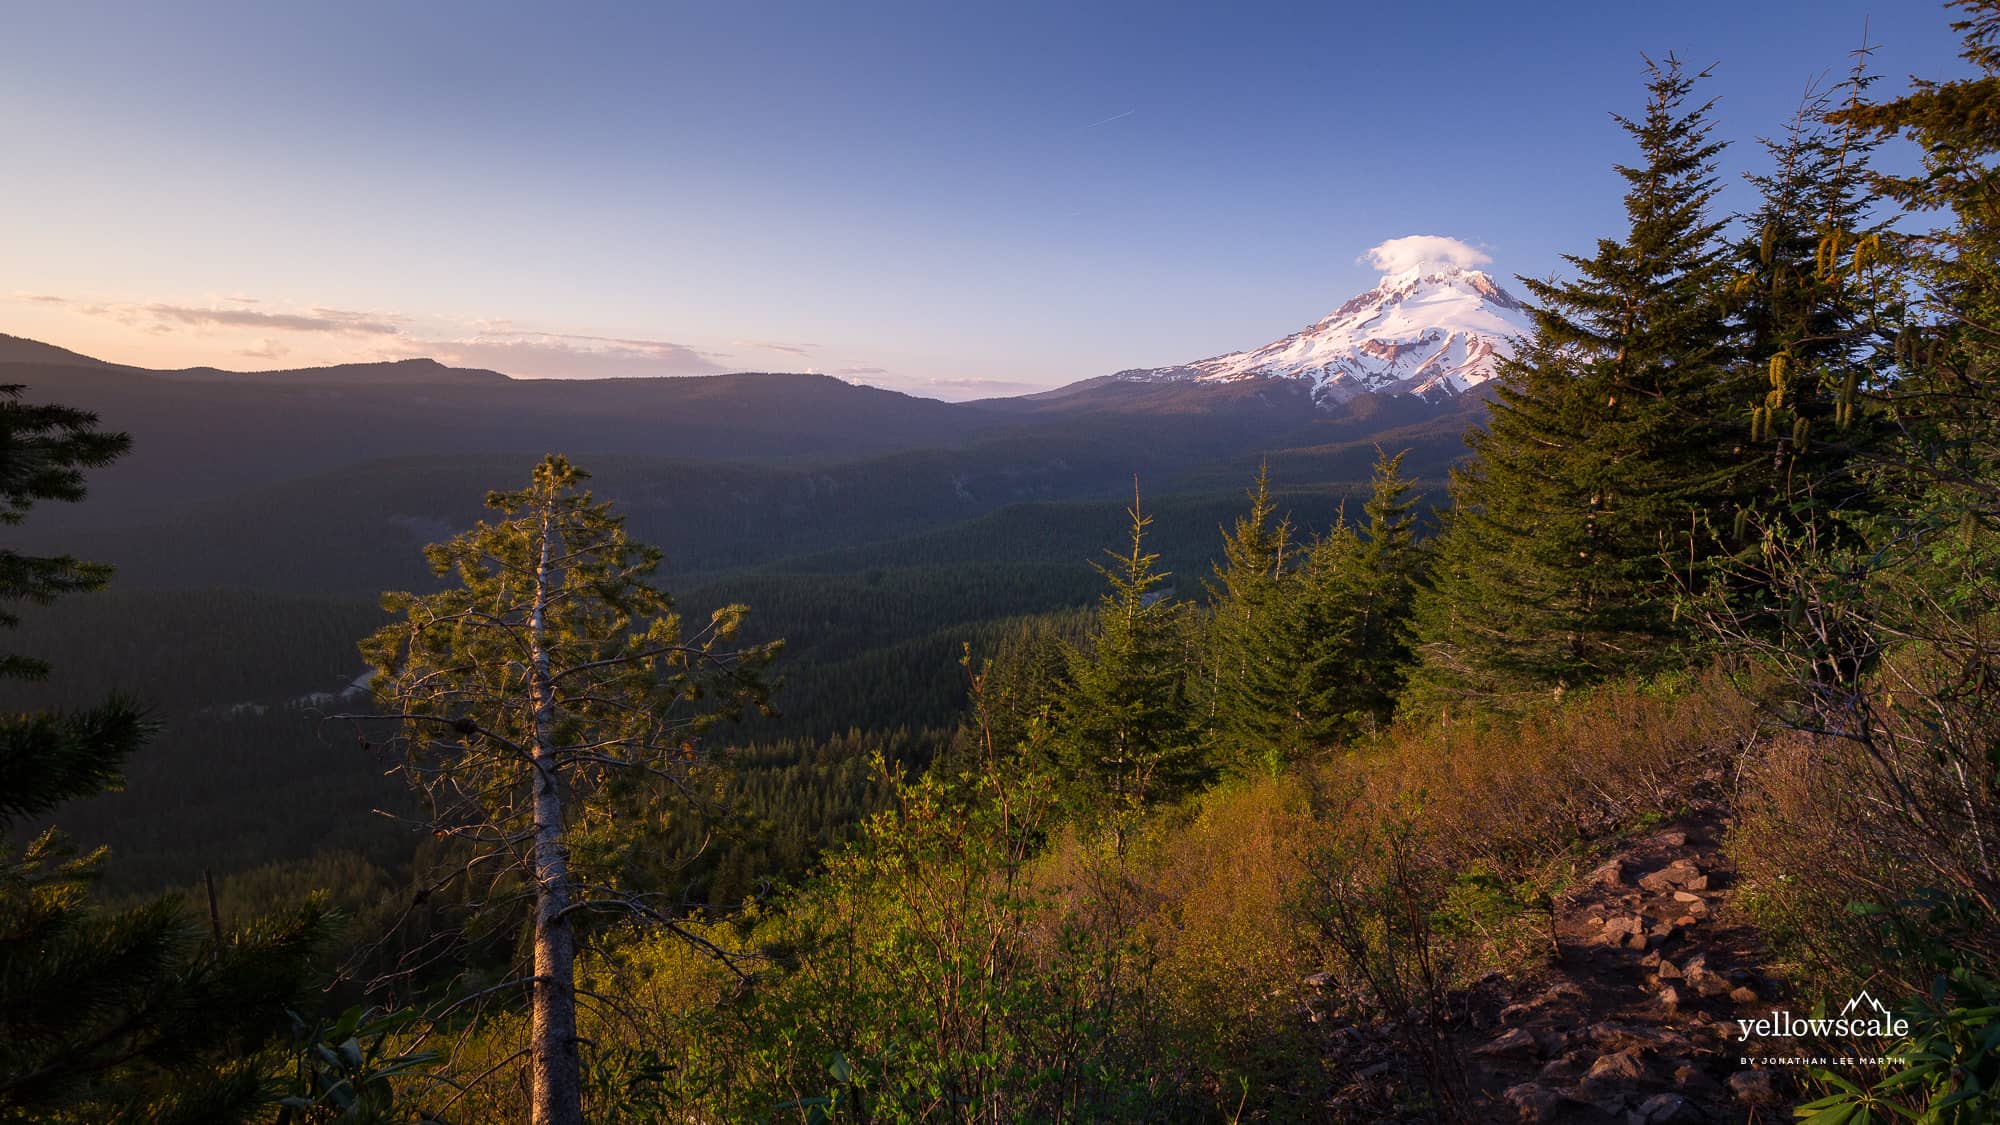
(1302, 796)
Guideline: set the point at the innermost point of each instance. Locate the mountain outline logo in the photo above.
(1877, 1005)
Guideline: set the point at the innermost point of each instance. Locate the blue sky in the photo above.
(951, 198)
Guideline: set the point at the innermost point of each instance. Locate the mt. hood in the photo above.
(1435, 331)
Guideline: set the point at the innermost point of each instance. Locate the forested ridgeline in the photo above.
(361, 531)
(1685, 713)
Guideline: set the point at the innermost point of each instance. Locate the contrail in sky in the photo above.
(1110, 119)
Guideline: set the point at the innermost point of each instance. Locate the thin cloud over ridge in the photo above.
(493, 343)
(800, 350)
(317, 319)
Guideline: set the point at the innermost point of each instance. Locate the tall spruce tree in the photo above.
(1808, 318)
(1811, 331)
(1606, 449)
(1352, 601)
(1946, 398)
(1123, 737)
(1249, 702)
(1392, 566)
(549, 690)
(1888, 640)
(136, 1013)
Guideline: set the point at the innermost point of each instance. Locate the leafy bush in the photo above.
(1945, 1072)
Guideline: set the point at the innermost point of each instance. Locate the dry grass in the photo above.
(1857, 852)
(1516, 794)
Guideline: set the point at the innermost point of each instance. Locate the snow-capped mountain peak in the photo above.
(1433, 330)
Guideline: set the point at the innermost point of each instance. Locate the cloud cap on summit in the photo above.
(1401, 255)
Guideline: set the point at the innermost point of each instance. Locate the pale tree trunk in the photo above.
(555, 1069)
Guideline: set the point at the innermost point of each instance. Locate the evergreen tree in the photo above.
(1017, 692)
(1946, 398)
(1607, 447)
(44, 449)
(1123, 739)
(1887, 632)
(1329, 604)
(1809, 320)
(109, 1014)
(549, 689)
(1392, 564)
(1811, 328)
(1352, 605)
(1251, 649)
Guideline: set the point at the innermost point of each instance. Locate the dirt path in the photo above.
(1634, 1020)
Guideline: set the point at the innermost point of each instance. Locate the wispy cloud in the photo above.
(635, 345)
(339, 321)
(158, 316)
(561, 355)
(951, 389)
(985, 387)
(774, 346)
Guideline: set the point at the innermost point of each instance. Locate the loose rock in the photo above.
(1665, 1109)
(1533, 1102)
(1694, 1080)
(1615, 1071)
(1676, 874)
(1754, 1087)
(1515, 1043)
(1563, 1069)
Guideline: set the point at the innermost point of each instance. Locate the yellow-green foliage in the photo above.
(933, 979)
(1199, 902)
(649, 983)
(973, 958)
(1230, 957)
(487, 1060)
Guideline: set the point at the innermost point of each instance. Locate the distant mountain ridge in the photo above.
(20, 349)
(873, 460)
(1433, 331)
(401, 372)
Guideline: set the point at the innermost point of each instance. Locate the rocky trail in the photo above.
(1633, 1018)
